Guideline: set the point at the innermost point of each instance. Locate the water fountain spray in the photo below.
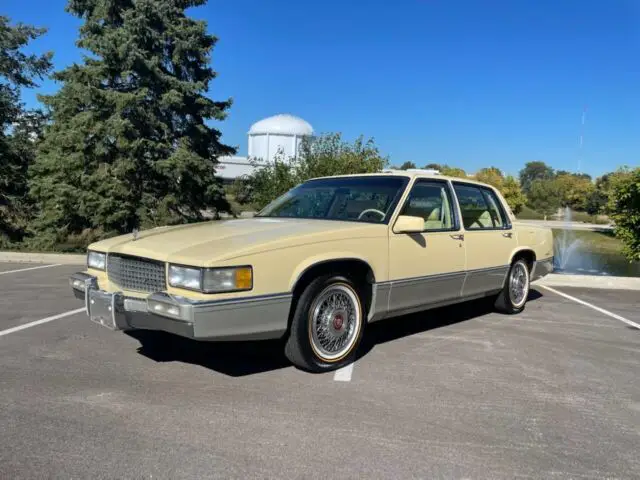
(566, 245)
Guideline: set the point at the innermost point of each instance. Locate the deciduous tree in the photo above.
(325, 155)
(534, 171)
(407, 166)
(512, 193)
(545, 196)
(576, 190)
(433, 166)
(624, 205)
(453, 171)
(491, 175)
(596, 202)
(508, 186)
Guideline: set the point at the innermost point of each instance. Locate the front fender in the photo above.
(312, 261)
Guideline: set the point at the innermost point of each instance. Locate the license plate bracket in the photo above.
(106, 309)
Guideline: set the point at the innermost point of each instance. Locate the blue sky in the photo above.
(468, 83)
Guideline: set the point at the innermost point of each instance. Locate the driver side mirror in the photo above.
(408, 224)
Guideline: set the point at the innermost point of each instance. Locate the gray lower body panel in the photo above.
(401, 297)
(483, 280)
(542, 268)
(379, 301)
(249, 319)
(408, 294)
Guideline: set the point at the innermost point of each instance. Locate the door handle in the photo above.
(507, 234)
(458, 237)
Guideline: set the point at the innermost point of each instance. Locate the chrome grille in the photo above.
(136, 273)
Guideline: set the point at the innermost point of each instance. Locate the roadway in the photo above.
(458, 392)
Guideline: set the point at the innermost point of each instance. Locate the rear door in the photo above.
(427, 267)
(489, 238)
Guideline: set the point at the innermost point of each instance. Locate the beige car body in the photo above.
(407, 272)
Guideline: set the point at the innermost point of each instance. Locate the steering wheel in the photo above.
(370, 210)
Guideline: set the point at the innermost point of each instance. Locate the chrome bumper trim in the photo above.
(246, 318)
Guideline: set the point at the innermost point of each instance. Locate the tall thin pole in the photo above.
(584, 116)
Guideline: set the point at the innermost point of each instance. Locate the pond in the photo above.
(591, 253)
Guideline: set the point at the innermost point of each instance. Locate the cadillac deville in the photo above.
(319, 264)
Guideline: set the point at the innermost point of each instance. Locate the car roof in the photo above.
(411, 173)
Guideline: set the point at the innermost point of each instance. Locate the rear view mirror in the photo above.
(408, 224)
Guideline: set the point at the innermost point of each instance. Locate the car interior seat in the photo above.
(434, 220)
(478, 219)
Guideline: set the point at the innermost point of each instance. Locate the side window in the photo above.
(479, 207)
(496, 210)
(431, 201)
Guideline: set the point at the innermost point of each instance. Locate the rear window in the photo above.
(480, 208)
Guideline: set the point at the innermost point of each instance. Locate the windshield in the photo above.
(356, 199)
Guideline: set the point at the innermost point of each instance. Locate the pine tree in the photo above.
(129, 146)
(18, 126)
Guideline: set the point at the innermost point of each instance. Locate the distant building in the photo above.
(266, 138)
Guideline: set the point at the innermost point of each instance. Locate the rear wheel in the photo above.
(514, 294)
(327, 324)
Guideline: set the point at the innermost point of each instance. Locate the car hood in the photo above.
(205, 243)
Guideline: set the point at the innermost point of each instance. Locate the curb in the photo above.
(589, 281)
(53, 258)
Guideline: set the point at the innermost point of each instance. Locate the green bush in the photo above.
(624, 203)
(324, 156)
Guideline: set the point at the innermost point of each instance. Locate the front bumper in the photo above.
(247, 318)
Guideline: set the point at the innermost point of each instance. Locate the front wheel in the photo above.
(327, 325)
(515, 292)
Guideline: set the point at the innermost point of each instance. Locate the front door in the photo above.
(427, 267)
(489, 238)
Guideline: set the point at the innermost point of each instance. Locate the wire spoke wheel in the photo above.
(518, 284)
(335, 320)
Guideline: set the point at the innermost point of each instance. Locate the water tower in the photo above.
(279, 132)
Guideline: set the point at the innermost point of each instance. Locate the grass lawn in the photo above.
(528, 214)
(586, 218)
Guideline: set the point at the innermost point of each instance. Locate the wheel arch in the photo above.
(354, 267)
(528, 254)
(326, 262)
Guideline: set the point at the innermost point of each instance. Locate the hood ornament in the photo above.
(135, 234)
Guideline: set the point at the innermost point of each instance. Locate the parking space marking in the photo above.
(344, 374)
(30, 268)
(590, 305)
(40, 322)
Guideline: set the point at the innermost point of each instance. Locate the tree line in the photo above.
(538, 186)
(127, 141)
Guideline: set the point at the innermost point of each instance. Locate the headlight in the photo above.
(185, 277)
(96, 260)
(216, 280)
(211, 280)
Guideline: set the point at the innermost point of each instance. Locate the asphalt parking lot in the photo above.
(458, 392)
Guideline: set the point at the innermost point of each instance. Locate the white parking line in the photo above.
(344, 374)
(30, 268)
(596, 308)
(40, 322)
